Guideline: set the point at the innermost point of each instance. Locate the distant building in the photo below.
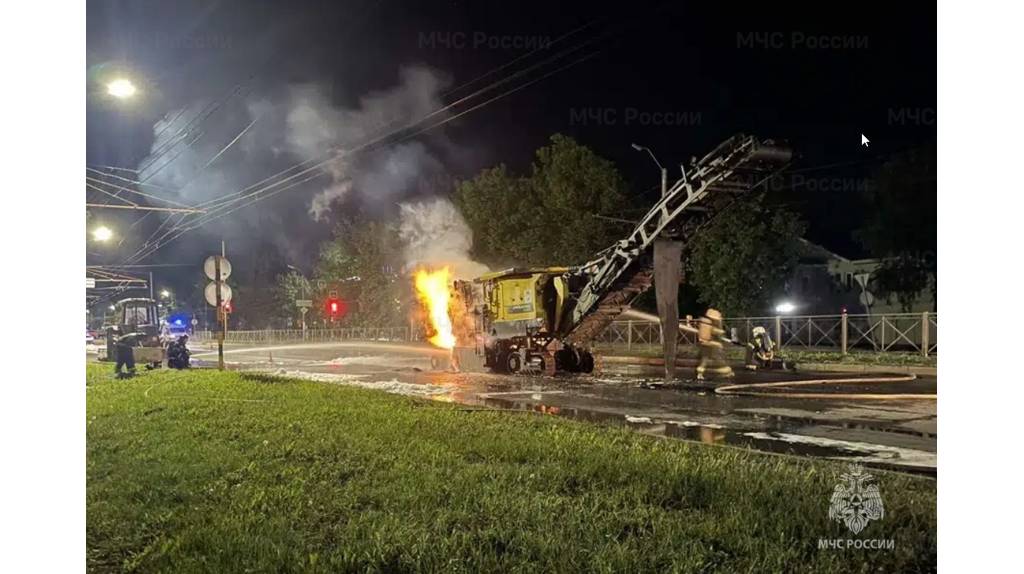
(825, 283)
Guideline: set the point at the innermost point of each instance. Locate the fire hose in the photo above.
(750, 389)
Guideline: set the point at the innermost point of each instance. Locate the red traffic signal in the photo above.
(335, 307)
(228, 307)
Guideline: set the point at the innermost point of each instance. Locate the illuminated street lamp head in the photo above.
(121, 88)
(785, 307)
(102, 233)
(165, 293)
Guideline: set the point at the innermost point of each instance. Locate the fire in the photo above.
(432, 290)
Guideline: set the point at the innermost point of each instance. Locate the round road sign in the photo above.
(210, 267)
(211, 293)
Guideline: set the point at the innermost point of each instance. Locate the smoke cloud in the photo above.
(436, 235)
(386, 174)
(214, 148)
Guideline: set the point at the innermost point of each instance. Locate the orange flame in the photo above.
(432, 290)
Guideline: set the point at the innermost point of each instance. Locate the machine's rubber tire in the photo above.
(567, 360)
(500, 362)
(586, 362)
(513, 364)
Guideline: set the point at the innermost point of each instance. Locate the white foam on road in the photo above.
(392, 386)
(871, 452)
(375, 360)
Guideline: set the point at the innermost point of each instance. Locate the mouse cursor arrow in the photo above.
(864, 140)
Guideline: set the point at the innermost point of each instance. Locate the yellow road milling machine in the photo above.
(543, 320)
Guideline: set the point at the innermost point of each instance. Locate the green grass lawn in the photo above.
(226, 472)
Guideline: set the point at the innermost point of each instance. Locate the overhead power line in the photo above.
(225, 205)
(144, 208)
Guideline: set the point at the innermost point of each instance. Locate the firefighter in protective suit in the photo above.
(124, 356)
(760, 349)
(709, 340)
(178, 355)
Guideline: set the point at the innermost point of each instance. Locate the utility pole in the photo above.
(667, 276)
(217, 269)
(220, 314)
(224, 314)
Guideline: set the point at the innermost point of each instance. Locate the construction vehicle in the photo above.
(140, 316)
(544, 319)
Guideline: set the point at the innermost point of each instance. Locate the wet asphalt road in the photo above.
(894, 434)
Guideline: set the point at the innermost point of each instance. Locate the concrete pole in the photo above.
(668, 256)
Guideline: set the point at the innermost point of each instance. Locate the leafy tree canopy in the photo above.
(547, 217)
(744, 256)
(363, 263)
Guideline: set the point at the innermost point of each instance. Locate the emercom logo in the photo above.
(856, 500)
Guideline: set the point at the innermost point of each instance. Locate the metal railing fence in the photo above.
(311, 335)
(903, 332)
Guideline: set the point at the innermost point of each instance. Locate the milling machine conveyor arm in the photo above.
(736, 166)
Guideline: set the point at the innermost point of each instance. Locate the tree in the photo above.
(901, 229)
(548, 217)
(288, 288)
(744, 256)
(363, 263)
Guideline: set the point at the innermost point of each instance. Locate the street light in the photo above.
(121, 88)
(102, 233)
(165, 293)
(785, 308)
(664, 172)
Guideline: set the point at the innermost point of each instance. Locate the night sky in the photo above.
(715, 70)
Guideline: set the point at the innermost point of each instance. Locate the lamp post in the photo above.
(664, 172)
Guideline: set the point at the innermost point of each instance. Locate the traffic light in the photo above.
(225, 308)
(335, 308)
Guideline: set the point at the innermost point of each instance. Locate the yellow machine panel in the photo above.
(516, 299)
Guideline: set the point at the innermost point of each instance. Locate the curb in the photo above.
(823, 367)
(841, 368)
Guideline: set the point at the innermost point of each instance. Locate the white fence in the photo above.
(916, 332)
(310, 335)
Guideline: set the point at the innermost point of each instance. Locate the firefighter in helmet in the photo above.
(760, 349)
(178, 355)
(709, 340)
